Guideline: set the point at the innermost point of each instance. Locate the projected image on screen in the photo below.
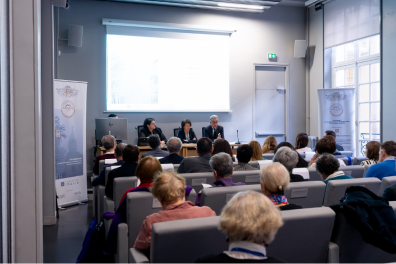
(167, 74)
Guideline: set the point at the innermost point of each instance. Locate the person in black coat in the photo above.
(214, 131)
(150, 128)
(186, 133)
(174, 146)
(130, 156)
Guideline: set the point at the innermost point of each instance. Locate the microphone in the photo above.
(237, 138)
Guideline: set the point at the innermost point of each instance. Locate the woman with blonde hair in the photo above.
(250, 221)
(257, 152)
(269, 145)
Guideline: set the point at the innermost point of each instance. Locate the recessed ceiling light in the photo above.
(241, 6)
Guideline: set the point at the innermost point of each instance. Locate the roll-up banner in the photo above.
(70, 102)
(337, 113)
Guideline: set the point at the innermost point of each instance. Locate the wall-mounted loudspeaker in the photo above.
(300, 48)
(60, 3)
(75, 35)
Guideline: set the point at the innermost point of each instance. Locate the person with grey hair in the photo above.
(223, 168)
(109, 143)
(100, 180)
(214, 131)
(174, 146)
(288, 158)
(327, 165)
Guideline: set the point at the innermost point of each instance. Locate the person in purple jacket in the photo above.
(223, 168)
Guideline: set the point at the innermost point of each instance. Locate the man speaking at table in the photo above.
(214, 131)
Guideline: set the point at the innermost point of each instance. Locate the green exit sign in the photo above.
(271, 56)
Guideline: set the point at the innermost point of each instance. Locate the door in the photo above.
(269, 107)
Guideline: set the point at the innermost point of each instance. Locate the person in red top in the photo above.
(109, 144)
(169, 188)
(145, 171)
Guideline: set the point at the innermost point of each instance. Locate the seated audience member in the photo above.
(244, 154)
(269, 145)
(390, 193)
(174, 146)
(288, 158)
(332, 133)
(302, 163)
(372, 153)
(223, 168)
(150, 128)
(324, 145)
(156, 151)
(145, 171)
(387, 165)
(169, 188)
(113, 116)
(327, 165)
(100, 180)
(302, 143)
(250, 222)
(257, 151)
(186, 133)
(109, 143)
(222, 145)
(130, 155)
(200, 163)
(274, 181)
(214, 131)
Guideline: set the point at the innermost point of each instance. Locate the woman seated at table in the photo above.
(250, 222)
(150, 128)
(186, 133)
(222, 145)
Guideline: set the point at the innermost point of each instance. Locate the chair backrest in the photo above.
(358, 160)
(203, 131)
(268, 156)
(176, 166)
(356, 171)
(120, 186)
(336, 189)
(168, 167)
(138, 129)
(195, 180)
(107, 170)
(99, 201)
(101, 165)
(175, 132)
(254, 164)
(366, 168)
(216, 198)
(302, 154)
(298, 240)
(307, 194)
(312, 142)
(196, 237)
(345, 159)
(386, 182)
(247, 177)
(314, 175)
(139, 206)
(352, 248)
(347, 153)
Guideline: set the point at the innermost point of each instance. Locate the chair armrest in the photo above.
(122, 244)
(137, 256)
(333, 256)
(108, 205)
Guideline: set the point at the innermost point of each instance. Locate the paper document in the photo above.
(206, 186)
(263, 162)
(302, 171)
(110, 161)
(115, 167)
(167, 167)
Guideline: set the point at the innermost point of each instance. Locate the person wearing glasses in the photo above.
(150, 128)
(214, 131)
(186, 133)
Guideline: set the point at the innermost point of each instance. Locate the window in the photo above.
(357, 65)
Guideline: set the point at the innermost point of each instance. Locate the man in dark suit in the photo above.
(156, 151)
(200, 163)
(130, 156)
(174, 146)
(214, 131)
(338, 147)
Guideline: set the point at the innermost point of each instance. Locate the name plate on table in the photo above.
(198, 182)
(309, 155)
(229, 196)
(264, 162)
(299, 193)
(156, 203)
(302, 171)
(252, 178)
(114, 167)
(110, 161)
(167, 167)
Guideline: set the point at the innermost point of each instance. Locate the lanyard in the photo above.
(248, 251)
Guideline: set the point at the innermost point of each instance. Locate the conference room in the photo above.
(119, 110)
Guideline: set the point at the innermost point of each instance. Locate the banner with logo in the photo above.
(337, 113)
(70, 102)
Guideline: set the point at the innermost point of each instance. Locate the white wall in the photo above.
(273, 31)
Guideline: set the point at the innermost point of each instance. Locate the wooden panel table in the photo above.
(188, 150)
